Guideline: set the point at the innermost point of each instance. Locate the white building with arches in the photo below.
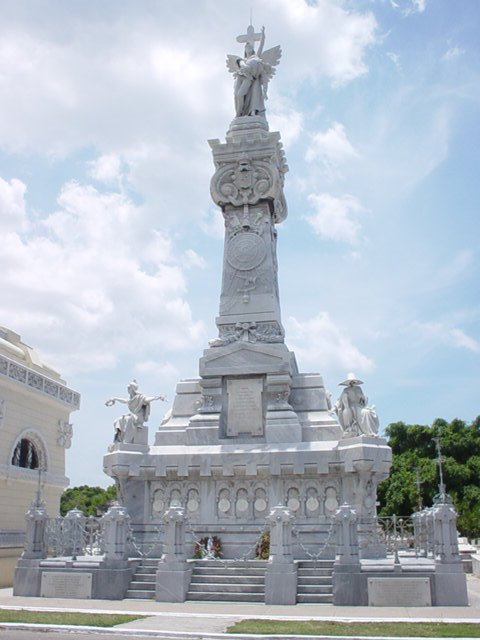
(35, 430)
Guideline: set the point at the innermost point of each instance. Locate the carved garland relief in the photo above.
(245, 182)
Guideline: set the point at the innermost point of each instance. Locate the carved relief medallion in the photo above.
(312, 503)
(223, 505)
(246, 251)
(260, 504)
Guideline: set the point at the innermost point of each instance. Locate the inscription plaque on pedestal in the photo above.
(245, 406)
(66, 584)
(399, 592)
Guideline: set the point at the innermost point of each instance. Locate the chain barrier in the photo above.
(316, 556)
(145, 548)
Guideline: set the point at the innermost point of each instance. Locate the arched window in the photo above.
(25, 454)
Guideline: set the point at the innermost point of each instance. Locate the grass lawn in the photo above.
(51, 617)
(331, 628)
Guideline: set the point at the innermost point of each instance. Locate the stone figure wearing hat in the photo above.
(127, 426)
(353, 412)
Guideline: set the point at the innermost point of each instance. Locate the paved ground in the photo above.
(205, 620)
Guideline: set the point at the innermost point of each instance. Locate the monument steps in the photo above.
(314, 582)
(142, 585)
(228, 581)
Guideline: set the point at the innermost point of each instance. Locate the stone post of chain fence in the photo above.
(174, 572)
(27, 575)
(281, 571)
(450, 579)
(35, 542)
(115, 534)
(349, 586)
(113, 577)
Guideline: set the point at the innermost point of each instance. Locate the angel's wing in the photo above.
(272, 56)
(232, 63)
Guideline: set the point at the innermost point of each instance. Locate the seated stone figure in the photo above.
(353, 412)
(127, 426)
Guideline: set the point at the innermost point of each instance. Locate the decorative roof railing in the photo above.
(39, 382)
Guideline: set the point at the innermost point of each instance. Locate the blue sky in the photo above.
(111, 253)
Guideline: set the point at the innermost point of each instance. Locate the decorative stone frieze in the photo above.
(33, 380)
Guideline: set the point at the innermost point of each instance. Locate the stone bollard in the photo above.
(27, 577)
(174, 545)
(36, 519)
(450, 578)
(173, 573)
(115, 534)
(348, 587)
(113, 577)
(281, 571)
(74, 532)
(345, 520)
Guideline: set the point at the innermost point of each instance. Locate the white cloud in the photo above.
(419, 5)
(319, 342)
(93, 272)
(284, 118)
(212, 223)
(324, 39)
(106, 168)
(454, 51)
(408, 7)
(395, 58)
(153, 368)
(332, 148)
(335, 218)
(441, 333)
(80, 79)
(146, 97)
(192, 259)
(12, 205)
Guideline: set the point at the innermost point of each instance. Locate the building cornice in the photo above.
(39, 383)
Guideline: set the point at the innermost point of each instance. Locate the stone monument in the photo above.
(252, 432)
(252, 459)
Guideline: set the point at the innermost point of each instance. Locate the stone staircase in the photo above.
(142, 586)
(314, 582)
(228, 581)
(231, 581)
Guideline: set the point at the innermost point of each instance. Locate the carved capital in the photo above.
(250, 169)
(245, 181)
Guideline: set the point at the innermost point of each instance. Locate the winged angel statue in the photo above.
(252, 73)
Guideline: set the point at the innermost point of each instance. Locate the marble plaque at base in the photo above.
(245, 412)
(399, 592)
(66, 584)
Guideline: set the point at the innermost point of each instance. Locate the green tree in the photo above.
(93, 501)
(414, 453)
